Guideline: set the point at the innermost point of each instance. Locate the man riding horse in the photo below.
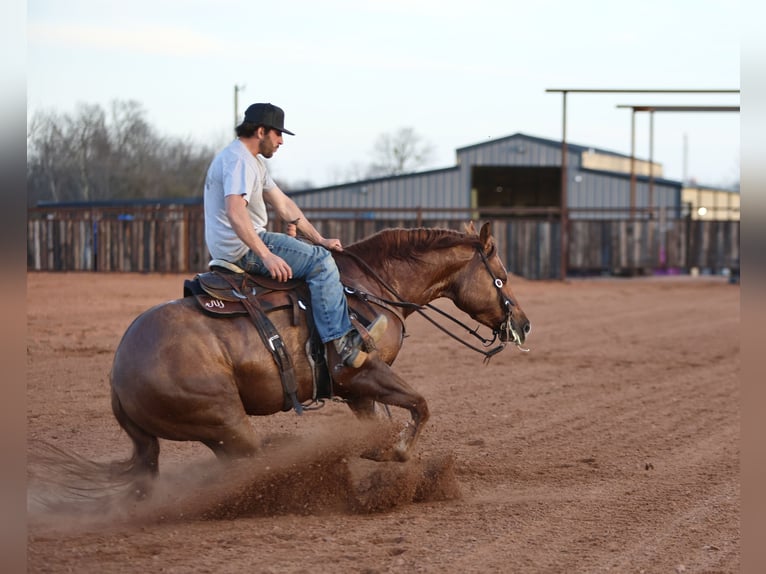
(237, 188)
(182, 374)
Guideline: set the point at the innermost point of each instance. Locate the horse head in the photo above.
(482, 290)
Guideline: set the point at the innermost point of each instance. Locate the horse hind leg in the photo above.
(234, 440)
(143, 467)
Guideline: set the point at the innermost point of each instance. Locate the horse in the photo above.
(182, 375)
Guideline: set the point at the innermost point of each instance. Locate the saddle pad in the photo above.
(219, 306)
(269, 301)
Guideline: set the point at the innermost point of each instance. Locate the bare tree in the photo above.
(89, 143)
(400, 152)
(45, 150)
(88, 155)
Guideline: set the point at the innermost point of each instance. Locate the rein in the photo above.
(421, 309)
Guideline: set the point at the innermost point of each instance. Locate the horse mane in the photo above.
(408, 244)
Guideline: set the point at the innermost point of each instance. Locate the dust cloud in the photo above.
(323, 473)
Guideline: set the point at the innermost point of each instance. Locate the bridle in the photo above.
(505, 301)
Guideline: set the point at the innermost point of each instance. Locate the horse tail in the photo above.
(143, 465)
(62, 480)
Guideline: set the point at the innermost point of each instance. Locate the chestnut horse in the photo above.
(182, 375)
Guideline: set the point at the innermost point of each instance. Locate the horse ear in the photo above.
(470, 228)
(486, 236)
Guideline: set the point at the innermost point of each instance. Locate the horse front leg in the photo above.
(376, 382)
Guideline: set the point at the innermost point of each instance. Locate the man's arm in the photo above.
(236, 211)
(288, 210)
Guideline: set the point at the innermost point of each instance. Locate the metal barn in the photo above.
(517, 171)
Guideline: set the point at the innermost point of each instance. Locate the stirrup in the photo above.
(373, 332)
(353, 357)
(353, 353)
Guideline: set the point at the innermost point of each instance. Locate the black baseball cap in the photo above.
(267, 115)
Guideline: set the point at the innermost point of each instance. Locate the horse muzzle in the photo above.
(514, 331)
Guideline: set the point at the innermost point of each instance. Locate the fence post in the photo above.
(187, 240)
(688, 237)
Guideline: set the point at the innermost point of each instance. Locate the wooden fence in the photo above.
(171, 239)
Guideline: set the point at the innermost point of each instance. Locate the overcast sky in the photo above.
(346, 71)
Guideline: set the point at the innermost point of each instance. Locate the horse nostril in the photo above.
(527, 327)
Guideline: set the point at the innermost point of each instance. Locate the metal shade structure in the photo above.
(564, 199)
(651, 110)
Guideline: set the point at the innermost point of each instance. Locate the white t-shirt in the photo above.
(234, 171)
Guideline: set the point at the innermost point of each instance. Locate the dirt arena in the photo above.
(613, 445)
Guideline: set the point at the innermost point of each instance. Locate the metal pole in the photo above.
(632, 164)
(236, 103)
(650, 200)
(564, 198)
(632, 221)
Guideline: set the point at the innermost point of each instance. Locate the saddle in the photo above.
(221, 292)
(225, 292)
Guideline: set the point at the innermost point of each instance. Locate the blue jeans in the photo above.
(315, 265)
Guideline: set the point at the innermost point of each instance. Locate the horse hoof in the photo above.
(375, 454)
(401, 455)
(381, 455)
(387, 455)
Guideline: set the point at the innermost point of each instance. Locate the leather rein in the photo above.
(421, 309)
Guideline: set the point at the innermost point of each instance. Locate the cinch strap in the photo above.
(272, 341)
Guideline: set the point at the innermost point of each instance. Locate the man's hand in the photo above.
(332, 244)
(292, 227)
(277, 267)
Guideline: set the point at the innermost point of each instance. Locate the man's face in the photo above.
(270, 142)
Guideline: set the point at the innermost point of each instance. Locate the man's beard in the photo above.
(267, 153)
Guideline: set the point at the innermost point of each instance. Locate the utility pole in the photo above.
(237, 89)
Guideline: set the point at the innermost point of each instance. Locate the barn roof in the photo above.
(572, 147)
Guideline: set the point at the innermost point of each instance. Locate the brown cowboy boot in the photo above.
(350, 346)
